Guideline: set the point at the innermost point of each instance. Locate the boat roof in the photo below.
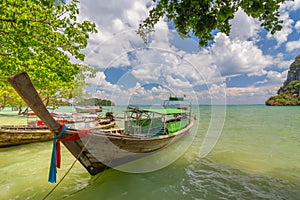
(164, 111)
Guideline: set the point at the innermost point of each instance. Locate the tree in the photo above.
(202, 17)
(95, 102)
(7, 98)
(41, 37)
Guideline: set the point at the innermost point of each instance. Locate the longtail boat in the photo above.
(37, 131)
(88, 109)
(17, 135)
(146, 130)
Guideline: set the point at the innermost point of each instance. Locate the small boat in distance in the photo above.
(88, 109)
(146, 131)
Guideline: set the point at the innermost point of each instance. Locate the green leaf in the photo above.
(35, 38)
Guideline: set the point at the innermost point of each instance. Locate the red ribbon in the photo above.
(72, 137)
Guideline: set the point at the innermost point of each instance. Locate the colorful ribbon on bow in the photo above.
(56, 155)
(52, 172)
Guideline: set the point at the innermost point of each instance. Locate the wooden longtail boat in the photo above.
(146, 131)
(88, 109)
(17, 135)
(37, 131)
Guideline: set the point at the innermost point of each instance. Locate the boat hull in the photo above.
(17, 135)
(98, 151)
(93, 110)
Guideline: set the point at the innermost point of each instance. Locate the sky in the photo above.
(246, 67)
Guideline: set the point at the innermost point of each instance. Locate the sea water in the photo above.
(257, 156)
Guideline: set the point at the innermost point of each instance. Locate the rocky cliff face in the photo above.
(293, 74)
(288, 94)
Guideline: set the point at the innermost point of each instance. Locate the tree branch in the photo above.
(33, 20)
(5, 32)
(5, 54)
(6, 20)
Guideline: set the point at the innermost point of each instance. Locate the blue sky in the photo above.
(246, 67)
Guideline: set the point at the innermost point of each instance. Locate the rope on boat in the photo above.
(68, 171)
(60, 181)
(52, 172)
(56, 157)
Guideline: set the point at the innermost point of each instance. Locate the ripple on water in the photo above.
(212, 180)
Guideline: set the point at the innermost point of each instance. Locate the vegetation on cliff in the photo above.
(289, 93)
(288, 97)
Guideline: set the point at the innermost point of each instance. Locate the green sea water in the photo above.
(256, 157)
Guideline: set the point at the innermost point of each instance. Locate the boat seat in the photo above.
(154, 131)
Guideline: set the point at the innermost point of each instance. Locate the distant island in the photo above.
(96, 102)
(289, 93)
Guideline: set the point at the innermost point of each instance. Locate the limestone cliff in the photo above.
(288, 94)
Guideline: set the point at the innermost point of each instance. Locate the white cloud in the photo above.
(290, 46)
(287, 25)
(113, 51)
(178, 83)
(135, 14)
(250, 95)
(277, 77)
(199, 68)
(280, 62)
(243, 27)
(235, 57)
(290, 5)
(148, 73)
(104, 12)
(161, 37)
(113, 19)
(118, 25)
(100, 82)
(241, 91)
(139, 95)
(214, 95)
(101, 94)
(296, 5)
(287, 28)
(297, 26)
(176, 68)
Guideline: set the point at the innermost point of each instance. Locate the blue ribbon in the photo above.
(52, 172)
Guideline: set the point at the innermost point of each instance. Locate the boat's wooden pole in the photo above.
(23, 85)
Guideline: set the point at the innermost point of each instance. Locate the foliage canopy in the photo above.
(45, 39)
(202, 17)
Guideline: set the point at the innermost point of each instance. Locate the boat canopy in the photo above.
(163, 111)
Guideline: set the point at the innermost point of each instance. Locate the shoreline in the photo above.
(12, 118)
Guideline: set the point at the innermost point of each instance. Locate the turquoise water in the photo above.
(256, 157)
